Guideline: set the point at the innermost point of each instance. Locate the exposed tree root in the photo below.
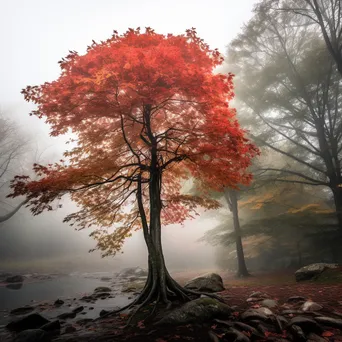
(154, 293)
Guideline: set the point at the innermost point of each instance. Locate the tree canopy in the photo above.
(140, 104)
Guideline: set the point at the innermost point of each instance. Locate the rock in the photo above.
(67, 315)
(310, 271)
(133, 286)
(14, 279)
(22, 311)
(31, 321)
(253, 300)
(103, 312)
(51, 326)
(58, 302)
(101, 295)
(239, 336)
(196, 311)
(106, 279)
(265, 311)
(245, 327)
(252, 314)
(296, 299)
(311, 306)
(132, 272)
(210, 282)
(265, 328)
(306, 324)
(298, 333)
(87, 299)
(15, 286)
(258, 294)
(33, 335)
(85, 321)
(315, 338)
(282, 319)
(328, 321)
(269, 303)
(68, 329)
(291, 312)
(102, 289)
(78, 309)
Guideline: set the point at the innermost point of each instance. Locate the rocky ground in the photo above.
(261, 308)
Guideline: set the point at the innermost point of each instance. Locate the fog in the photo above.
(35, 35)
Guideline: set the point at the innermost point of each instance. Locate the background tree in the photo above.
(289, 84)
(282, 225)
(148, 113)
(231, 196)
(327, 15)
(12, 148)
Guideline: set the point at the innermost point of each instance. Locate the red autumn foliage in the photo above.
(125, 95)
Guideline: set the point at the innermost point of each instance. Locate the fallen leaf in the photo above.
(328, 334)
(141, 325)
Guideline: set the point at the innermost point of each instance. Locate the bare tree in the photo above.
(288, 82)
(327, 15)
(12, 148)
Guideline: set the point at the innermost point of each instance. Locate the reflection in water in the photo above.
(15, 286)
(67, 288)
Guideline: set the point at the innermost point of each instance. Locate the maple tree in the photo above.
(148, 113)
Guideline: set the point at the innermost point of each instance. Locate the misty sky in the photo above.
(36, 34)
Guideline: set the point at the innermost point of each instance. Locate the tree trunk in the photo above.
(7, 216)
(233, 205)
(337, 193)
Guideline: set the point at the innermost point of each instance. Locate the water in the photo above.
(63, 287)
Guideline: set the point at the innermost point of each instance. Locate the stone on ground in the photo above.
(133, 272)
(310, 271)
(210, 282)
(32, 321)
(196, 311)
(33, 335)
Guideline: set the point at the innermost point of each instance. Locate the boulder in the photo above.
(254, 314)
(51, 326)
(32, 321)
(14, 286)
(22, 310)
(133, 272)
(58, 302)
(67, 315)
(85, 321)
(269, 303)
(134, 286)
(296, 299)
(311, 271)
(196, 311)
(307, 324)
(33, 335)
(330, 322)
(14, 279)
(78, 309)
(210, 282)
(311, 306)
(102, 289)
(69, 329)
(101, 295)
(106, 278)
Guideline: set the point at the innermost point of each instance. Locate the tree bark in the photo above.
(160, 287)
(233, 206)
(7, 216)
(337, 193)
